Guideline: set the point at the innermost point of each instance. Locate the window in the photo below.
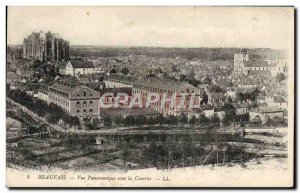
(91, 95)
(78, 111)
(78, 104)
(91, 103)
(84, 103)
(78, 95)
(84, 112)
(91, 111)
(84, 93)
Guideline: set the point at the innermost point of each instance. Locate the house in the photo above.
(248, 83)
(101, 140)
(219, 113)
(241, 109)
(13, 77)
(43, 93)
(216, 98)
(23, 80)
(79, 100)
(13, 86)
(24, 72)
(207, 110)
(277, 101)
(231, 93)
(194, 113)
(78, 67)
(264, 113)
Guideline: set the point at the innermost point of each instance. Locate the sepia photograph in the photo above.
(150, 96)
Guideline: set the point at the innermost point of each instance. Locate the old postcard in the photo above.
(150, 96)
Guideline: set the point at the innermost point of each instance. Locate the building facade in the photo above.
(119, 81)
(79, 67)
(46, 47)
(265, 113)
(173, 91)
(244, 65)
(79, 101)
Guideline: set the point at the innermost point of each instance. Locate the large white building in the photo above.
(79, 67)
(170, 88)
(79, 101)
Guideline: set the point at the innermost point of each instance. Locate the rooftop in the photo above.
(258, 63)
(267, 109)
(11, 75)
(163, 84)
(64, 88)
(122, 78)
(82, 64)
(279, 99)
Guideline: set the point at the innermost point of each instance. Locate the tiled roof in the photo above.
(267, 109)
(257, 63)
(43, 88)
(63, 87)
(115, 91)
(249, 81)
(122, 78)
(82, 64)
(279, 99)
(11, 75)
(163, 84)
(206, 107)
(242, 105)
(259, 72)
(217, 96)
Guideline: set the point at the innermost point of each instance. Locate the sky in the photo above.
(157, 26)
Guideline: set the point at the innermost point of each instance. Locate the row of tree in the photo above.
(170, 120)
(51, 112)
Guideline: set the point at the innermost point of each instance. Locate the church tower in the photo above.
(239, 60)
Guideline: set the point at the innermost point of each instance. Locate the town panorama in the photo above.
(99, 108)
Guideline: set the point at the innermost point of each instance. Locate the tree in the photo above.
(113, 71)
(141, 120)
(151, 121)
(52, 119)
(280, 77)
(160, 119)
(107, 121)
(184, 119)
(227, 107)
(95, 122)
(173, 120)
(129, 120)
(204, 99)
(182, 77)
(203, 120)
(230, 117)
(215, 120)
(119, 120)
(125, 71)
(74, 121)
(193, 120)
(36, 64)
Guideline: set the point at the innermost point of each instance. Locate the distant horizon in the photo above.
(169, 27)
(121, 46)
